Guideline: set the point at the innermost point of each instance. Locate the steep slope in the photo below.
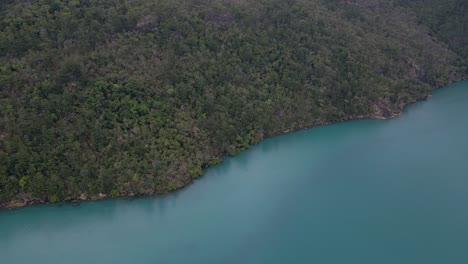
(135, 97)
(447, 20)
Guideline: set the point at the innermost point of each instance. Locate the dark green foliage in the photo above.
(126, 97)
(447, 20)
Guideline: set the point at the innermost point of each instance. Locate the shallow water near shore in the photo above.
(364, 192)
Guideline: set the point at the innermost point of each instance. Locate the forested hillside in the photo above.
(447, 20)
(136, 97)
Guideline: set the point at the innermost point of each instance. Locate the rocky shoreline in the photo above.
(382, 114)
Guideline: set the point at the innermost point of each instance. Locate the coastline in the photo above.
(15, 204)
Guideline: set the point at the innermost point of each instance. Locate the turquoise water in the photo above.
(361, 192)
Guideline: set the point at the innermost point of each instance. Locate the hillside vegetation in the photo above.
(137, 97)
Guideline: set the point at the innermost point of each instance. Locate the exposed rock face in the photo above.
(147, 22)
(415, 72)
(382, 110)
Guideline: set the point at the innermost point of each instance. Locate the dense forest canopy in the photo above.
(136, 97)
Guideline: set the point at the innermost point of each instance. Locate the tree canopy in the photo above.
(137, 97)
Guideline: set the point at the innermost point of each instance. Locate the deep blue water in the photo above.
(364, 192)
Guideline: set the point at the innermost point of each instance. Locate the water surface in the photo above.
(361, 192)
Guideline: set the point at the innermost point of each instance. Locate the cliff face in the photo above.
(121, 98)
